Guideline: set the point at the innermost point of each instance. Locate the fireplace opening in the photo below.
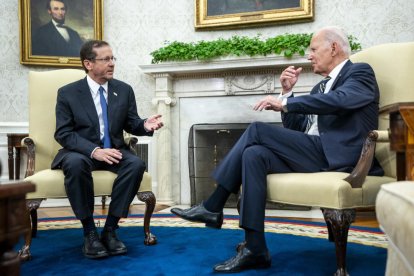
(207, 146)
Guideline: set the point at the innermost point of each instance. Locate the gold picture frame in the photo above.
(40, 43)
(227, 14)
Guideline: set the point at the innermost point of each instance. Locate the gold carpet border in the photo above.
(314, 231)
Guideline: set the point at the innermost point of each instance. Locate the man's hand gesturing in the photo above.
(153, 123)
(289, 77)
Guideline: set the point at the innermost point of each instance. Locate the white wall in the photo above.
(136, 28)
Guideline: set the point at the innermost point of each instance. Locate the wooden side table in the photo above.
(13, 148)
(401, 116)
(13, 223)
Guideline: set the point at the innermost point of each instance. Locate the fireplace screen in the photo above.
(207, 145)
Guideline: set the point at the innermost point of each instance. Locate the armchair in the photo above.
(395, 210)
(339, 194)
(42, 148)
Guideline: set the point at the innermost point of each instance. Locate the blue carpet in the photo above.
(194, 251)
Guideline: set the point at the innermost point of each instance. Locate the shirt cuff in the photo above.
(284, 98)
(93, 151)
(284, 105)
(145, 127)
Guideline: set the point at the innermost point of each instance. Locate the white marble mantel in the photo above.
(218, 91)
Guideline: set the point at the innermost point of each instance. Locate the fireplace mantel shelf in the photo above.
(224, 65)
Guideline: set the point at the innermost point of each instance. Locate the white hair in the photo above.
(338, 35)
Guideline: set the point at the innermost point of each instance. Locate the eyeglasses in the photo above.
(106, 60)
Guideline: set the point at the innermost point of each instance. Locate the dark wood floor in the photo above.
(366, 218)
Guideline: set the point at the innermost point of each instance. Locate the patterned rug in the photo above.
(360, 235)
(184, 248)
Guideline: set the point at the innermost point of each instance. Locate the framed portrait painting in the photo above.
(227, 14)
(53, 31)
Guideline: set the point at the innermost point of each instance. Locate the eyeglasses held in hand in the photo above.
(107, 59)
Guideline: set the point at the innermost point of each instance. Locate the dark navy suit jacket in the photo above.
(345, 115)
(47, 41)
(77, 123)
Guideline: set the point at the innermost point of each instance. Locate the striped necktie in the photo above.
(106, 139)
(322, 84)
(321, 89)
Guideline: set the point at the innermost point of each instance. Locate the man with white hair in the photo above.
(323, 131)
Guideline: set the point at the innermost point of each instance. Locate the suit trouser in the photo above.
(261, 150)
(78, 168)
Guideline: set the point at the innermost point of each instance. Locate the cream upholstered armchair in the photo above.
(395, 212)
(42, 148)
(340, 194)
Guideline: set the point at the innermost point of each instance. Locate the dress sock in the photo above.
(215, 203)
(255, 241)
(111, 222)
(88, 225)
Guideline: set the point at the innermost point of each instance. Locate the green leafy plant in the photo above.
(286, 45)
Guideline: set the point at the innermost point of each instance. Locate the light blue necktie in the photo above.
(106, 139)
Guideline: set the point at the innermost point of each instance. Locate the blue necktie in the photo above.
(106, 139)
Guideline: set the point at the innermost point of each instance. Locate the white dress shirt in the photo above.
(62, 30)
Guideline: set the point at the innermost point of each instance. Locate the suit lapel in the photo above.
(343, 71)
(113, 102)
(88, 104)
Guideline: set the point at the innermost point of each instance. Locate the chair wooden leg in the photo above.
(31, 222)
(338, 222)
(149, 199)
(103, 201)
(33, 216)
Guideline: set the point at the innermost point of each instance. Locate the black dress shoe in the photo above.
(240, 246)
(244, 259)
(111, 242)
(92, 246)
(198, 213)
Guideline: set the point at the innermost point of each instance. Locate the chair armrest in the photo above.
(132, 142)
(360, 172)
(31, 147)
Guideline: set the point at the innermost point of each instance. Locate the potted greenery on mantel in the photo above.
(285, 45)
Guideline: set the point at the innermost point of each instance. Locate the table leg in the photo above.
(10, 160)
(400, 156)
(409, 156)
(17, 163)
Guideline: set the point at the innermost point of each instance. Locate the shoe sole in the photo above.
(261, 266)
(97, 256)
(120, 252)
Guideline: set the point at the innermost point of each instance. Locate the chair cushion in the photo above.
(395, 212)
(49, 183)
(323, 189)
